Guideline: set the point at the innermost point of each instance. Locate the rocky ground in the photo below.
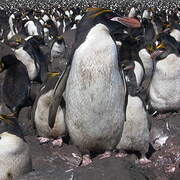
(51, 163)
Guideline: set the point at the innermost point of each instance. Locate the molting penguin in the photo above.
(135, 136)
(58, 53)
(41, 110)
(95, 91)
(15, 159)
(164, 91)
(16, 85)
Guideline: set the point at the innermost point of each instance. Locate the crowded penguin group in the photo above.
(92, 72)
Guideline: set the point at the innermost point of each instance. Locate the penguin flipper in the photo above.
(57, 95)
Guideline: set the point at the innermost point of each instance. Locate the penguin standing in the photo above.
(15, 158)
(33, 58)
(16, 85)
(135, 136)
(41, 110)
(58, 53)
(164, 91)
(95, 92)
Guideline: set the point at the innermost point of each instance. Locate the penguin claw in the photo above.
(57, 142)
(144, 160)
(121, 155)
(86, 160)
(107, 154)
(43, 140)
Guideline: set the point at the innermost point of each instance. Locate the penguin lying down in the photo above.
(15, 159)
(94, 91)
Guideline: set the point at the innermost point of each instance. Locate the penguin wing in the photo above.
(57, 95)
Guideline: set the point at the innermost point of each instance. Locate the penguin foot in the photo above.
(107, 154)
(43, 140)
(121, 155)
(170, 169)
(162, 116)
(57, 142)
(86, 160)
(144, 160)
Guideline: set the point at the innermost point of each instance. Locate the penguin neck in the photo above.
(99, 48)
(97, 32)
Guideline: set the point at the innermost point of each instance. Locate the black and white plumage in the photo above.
(15, 154)
(94, 84)
(164, 92)
(33, 58)
(41, 110)
(16, 85)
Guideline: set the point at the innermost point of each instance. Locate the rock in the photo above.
(25, 121)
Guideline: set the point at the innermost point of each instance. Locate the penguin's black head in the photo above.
(36, 41)
(9, 124)
(167, 45)
(110, 19)
(7, 61)
(60, 40)
(15, 41)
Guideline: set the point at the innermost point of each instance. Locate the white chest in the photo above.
(31, 28)
(26, 59)
(176, 34)
(165, 84)
(147, 62)
(139, 72)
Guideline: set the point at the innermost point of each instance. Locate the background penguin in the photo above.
(15, 156)
(135, 136)
(41, 110)
(95, 83)
(58, 53)
(33, 58)
(16, 85)
(53, 31)
(164, 91)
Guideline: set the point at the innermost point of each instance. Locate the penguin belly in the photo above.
(15, 159)
(147, 62)
(26, 59)
(164, 89)
(57, 51)
(135, 134)
(139, 72)
(176, 34)
(41, 118)
(95, 95)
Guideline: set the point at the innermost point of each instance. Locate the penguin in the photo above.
(53, 31)
(34, 28)
(40, 113)
(174, 26)
(58, 54)
(16, 85)
(15, 154)
(32, 57)
(136, 133)
(164, 91)
(95, 92)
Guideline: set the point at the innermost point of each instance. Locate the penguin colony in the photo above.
(121, 65)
